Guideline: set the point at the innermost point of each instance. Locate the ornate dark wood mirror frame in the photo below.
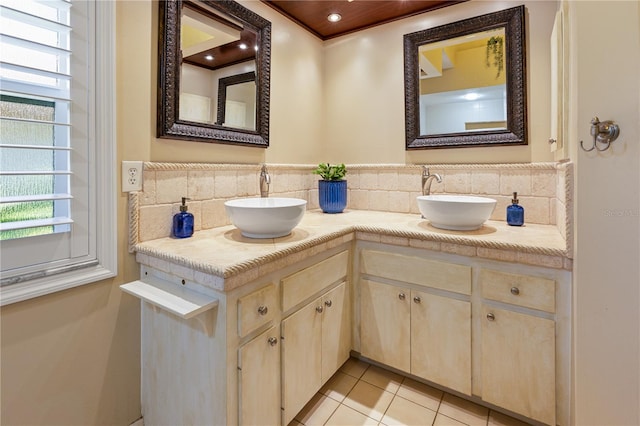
(516, 130)
(169, 125)
(223, 83)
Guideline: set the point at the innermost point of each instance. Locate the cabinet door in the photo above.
(336, 330)
(518, 363)
(301, 358)
(259, 380)
(441, 340)
(384, 324)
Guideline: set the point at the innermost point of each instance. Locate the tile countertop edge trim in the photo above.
(245, 266)
(239, 268)
(163, 166)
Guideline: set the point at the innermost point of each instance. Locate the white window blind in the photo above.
(53, 67)
(34, 109)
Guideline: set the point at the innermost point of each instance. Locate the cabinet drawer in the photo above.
(416, 270)
(304, 284)
(256, 309)
(522, 290)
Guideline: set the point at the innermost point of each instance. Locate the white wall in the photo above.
(364, 90)
(604, 64)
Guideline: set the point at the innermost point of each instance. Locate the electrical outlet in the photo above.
(131, 176)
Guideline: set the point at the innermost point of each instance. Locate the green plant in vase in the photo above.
(495, 53)
(332, 188)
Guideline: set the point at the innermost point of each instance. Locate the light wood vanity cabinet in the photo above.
(256, 309)
(259, 380)
(259, 358)
(441, 340)
(316, 342)
(418, 311)
(336, 330)
(385, 321)
(518, 346)
(301, 358)
(496, 331)
(316, 338)
(425, 331)
(232, 363)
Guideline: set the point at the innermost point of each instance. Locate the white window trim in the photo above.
(105, 172)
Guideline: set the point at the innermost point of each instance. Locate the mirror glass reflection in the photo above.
(238, 96)
(462, 84)
(215, 47)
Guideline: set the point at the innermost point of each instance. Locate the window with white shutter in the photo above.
(57, 153)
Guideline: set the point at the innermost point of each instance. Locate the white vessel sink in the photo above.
(456, 212)
(265, 217)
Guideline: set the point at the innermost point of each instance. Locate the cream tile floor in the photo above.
(364, 394)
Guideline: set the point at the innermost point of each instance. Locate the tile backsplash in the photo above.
(544, 190)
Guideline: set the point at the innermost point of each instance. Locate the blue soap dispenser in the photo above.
(515, 212)
(183, 222)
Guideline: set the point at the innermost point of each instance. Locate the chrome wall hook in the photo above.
(603, 132)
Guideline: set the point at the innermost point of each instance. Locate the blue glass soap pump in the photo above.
(515, 212)
(183, 222)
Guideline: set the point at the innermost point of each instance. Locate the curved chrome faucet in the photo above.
(427, 179)
(265, 180)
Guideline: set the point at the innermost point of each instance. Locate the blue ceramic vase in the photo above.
(332, 195)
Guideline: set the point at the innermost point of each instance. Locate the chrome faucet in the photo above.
(427, 179)
(265, 180)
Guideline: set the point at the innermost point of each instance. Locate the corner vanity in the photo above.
(483, 314)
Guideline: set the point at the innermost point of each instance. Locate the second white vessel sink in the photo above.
(456, 212)
(265, 217)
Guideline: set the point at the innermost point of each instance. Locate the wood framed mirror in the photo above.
(236, 101)
(465, 83)
(203, 43)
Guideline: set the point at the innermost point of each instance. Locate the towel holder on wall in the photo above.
(603, 132)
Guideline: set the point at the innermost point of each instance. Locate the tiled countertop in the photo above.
(223, 259)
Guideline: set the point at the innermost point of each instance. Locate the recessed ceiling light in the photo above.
(209, 58)
(471, 96)
(334, 17)
(242, 46)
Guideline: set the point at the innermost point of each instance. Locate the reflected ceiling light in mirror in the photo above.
(209, 57)
(242, 46)
(334, 17)
(471, 96)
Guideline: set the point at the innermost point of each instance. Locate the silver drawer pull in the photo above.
(417, 299)
(401, 296)
(262, 310)
(273, 341)
(515, 291)
(328, 303)
(319, 309)
(491, 317)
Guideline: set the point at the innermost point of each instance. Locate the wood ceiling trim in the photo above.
(356, 15)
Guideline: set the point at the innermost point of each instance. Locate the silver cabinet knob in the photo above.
(262, 310)
(273, 341)
(515, 291)
(328, 303)
(401, 296)
(417, 299)
(491, 317)
(319, 309)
